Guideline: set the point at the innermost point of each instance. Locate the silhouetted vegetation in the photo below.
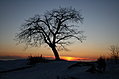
(101, 64)
(114, 52)
(36, 59)
(53, 28)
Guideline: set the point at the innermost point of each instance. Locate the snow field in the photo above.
(55, 70)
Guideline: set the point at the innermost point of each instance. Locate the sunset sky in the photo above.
(101, 26)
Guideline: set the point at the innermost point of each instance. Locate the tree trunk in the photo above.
(55, 53)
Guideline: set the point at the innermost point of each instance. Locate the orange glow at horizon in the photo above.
(77, 59)
(69, 58)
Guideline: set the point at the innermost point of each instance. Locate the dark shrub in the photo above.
(101, 64)
(36, 59)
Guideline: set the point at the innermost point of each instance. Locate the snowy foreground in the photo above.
(54, 70)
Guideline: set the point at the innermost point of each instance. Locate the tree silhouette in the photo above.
(114, 52)
(54, 28)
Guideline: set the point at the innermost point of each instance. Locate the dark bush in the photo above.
(101, 64)
(36, 59)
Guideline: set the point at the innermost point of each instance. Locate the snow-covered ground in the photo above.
(55, 70)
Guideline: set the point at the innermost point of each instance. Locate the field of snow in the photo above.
(53, 70)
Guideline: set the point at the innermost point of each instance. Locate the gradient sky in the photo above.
(101, 26)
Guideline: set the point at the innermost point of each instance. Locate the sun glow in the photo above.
(69, 58)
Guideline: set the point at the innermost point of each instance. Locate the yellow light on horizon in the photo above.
(68, 58)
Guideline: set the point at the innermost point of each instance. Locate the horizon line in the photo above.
(68, 58)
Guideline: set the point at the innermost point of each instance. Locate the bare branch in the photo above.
(114, 52)
(52, 28)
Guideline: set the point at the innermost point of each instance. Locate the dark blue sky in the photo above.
(101, 25)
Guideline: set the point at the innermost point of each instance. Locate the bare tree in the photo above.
(114, 52)
(54, 28)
